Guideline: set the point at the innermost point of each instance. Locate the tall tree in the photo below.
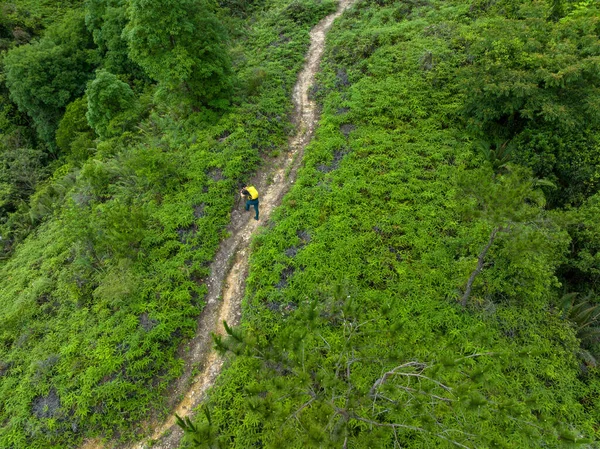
(45, 76)
(180, 43)
(510, 207)
(536, 81)
(106, 20)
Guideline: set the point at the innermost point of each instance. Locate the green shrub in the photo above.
(108, 102)
(113, 278)
(74, 136)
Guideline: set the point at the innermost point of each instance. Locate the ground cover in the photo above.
(354, 334)
(96, 301)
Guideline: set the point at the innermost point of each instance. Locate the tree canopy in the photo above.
(181, 44)
(107, 98)
(46, 75)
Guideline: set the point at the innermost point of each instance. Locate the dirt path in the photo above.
(229, 269)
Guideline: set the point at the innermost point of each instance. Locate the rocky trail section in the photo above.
(230, 266)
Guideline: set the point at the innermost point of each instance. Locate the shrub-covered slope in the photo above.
(96, 301)
(427, 172)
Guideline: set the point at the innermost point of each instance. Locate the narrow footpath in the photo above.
(229, 269)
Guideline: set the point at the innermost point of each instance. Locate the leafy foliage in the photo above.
(353, 334)
(108, 98)
(45, 76)
(585, 316)
(536, 81)
(74, 136)
(583, 267)
(106, 20)
(327, 364)
(360, 273)
(180, 44)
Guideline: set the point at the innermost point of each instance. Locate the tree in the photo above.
(530, 70)
(20, 171)
(557, 10)
(46, 75)
(180, 43)
(74, 136)
(238, 8)
(512, 204)
(582, 270)
(536, 82)
(108, 98)
(106, 20)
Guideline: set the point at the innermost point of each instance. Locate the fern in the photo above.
(585, 317)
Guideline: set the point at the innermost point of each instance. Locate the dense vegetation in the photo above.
(122, 144)
(432, 278)
(430, 281)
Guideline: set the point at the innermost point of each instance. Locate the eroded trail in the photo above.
(229, 269)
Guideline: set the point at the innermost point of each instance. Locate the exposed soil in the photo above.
(230, 266)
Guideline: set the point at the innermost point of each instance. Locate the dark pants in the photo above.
(253, 203)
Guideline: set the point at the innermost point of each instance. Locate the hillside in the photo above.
(106, 260)
(430, 280)
(443, 143)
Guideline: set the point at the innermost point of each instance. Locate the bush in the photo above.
(108, 101)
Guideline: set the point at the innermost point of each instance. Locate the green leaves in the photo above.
(535, 82)
(45, 76)
(180, 43)
(74, 136)
(108, 100)
(114, 276)
(106, 20)
(352, 292)
(584, 314)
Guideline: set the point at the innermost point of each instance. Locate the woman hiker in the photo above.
(250, 194)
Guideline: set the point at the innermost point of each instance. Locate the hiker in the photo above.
(250, 194)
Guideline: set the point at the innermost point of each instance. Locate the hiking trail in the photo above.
(229, 269)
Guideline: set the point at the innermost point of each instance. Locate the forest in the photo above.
(431, 280)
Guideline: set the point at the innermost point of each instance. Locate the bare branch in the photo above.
(480, 354)
(389, 425)
(303, 406)
(421, 376)
(480, 262)
(396, 372)
(383, 378)
(415, 391)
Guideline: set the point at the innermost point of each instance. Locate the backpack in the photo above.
(253, 192)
